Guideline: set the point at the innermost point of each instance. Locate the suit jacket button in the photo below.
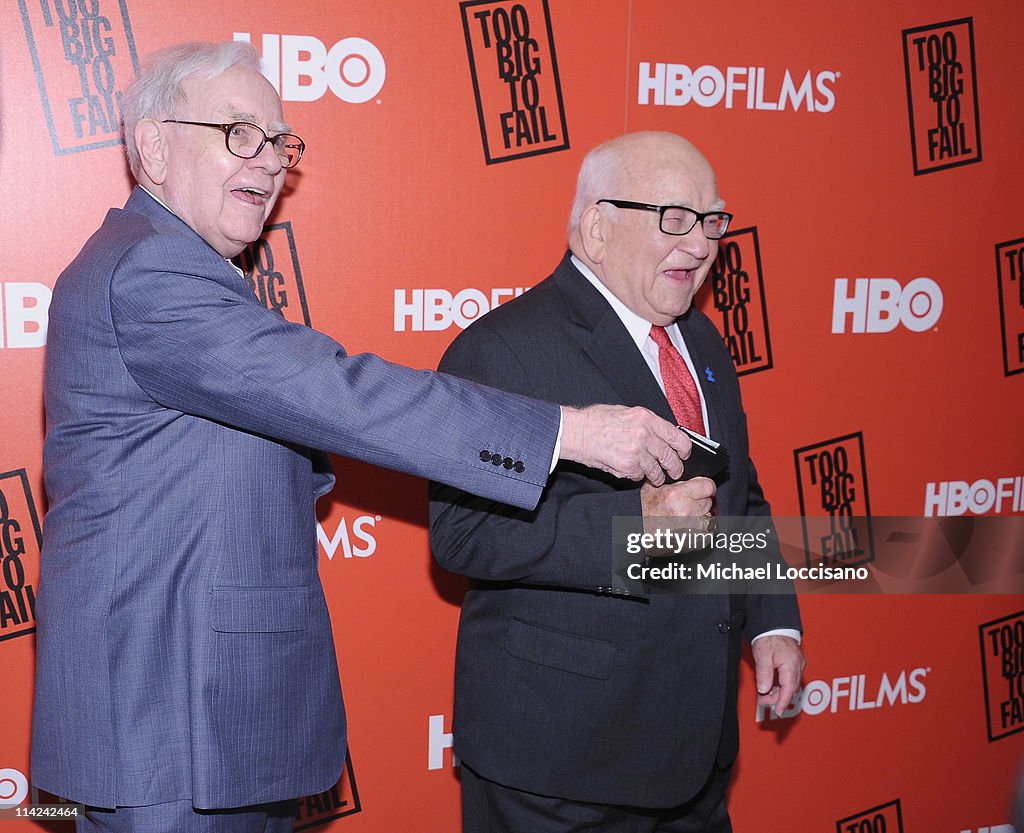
(485, 455)
(723, 627)
(495, 459)
(507, 462)
(519, 466)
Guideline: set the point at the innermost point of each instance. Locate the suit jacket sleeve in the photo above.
(194, 340)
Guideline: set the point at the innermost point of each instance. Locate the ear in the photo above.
(593, 232)
(151, 141)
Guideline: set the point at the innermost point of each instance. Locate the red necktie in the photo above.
(680, 388)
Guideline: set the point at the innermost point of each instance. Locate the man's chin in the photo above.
(228, 249)
(239, 240)
(680, 309)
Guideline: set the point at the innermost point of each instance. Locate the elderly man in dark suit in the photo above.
(576, 709)
(185, 658)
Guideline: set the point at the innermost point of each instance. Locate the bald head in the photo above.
(627, 162)
(654, 273)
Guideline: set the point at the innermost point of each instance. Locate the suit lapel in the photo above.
(607, 343)
(605, 340)
(142, 202)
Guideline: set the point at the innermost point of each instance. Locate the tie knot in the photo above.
(660, 337)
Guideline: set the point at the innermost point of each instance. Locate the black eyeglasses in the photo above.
(677, 220)
(246, 140)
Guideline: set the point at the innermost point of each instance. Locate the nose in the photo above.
(267, 159)
(695, 242)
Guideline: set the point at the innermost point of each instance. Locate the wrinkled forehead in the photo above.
(238, 94)
(669, 173)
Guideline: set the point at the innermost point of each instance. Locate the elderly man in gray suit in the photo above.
(576, 709)
(186, 675)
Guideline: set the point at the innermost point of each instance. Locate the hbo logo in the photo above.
(301, 68)
(24, 310)
(438, 309)
(13, 788)
(879, 305)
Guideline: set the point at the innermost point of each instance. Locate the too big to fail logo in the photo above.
(737, 294)
(20, 541)
(81, 51)
(515, 78)
(1002, 661)
(885, 818)
(1010, 271)
(942, 95)
(833, 488)
(271, 268)
(340, 800)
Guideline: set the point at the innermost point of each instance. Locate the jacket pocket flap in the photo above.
(558, 649)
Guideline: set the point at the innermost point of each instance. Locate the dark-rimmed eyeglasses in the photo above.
(246, 140)
(678, 220)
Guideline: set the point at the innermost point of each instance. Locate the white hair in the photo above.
(156, 92)
(597, 179)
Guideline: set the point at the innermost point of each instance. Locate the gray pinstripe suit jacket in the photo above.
(184, 646)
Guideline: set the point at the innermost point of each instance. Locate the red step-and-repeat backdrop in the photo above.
(871, 295)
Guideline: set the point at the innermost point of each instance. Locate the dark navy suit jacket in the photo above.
(184, 645)
(560, 690)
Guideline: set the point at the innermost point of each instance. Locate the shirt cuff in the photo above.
(558, 442)
(792, 634)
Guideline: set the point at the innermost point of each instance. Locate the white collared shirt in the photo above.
(640, 331)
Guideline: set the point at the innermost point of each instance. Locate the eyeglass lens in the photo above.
(246, 140)
(682, 220)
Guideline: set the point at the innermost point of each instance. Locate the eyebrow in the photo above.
(717, 205)
(274, 126)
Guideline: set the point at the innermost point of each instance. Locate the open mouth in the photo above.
(252, 195)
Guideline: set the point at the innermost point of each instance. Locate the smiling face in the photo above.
(655, 274)
(224, 198)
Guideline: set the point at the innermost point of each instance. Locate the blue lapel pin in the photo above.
(708, 374)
